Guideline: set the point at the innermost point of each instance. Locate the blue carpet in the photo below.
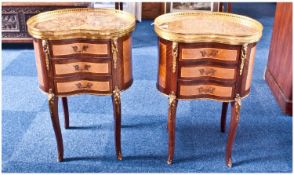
(263, 142)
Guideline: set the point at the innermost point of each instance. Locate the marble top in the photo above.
(83, 20)
(211, 24)
(206, 25)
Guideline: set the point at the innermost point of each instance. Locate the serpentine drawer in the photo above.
(212, 53)
(201, 71)
(80, 47)
(96, 66)
(67, 87)
(190, 89)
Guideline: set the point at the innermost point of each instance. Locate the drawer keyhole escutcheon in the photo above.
(87, 86)
(207, 72)
(78, 68)
(209, 53)
(203, 90)
(81, 50)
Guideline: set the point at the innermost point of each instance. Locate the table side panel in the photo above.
(41, 65)
(162, 65)
(245, 78)
(250, 68)
(166, 81)
(127, 60)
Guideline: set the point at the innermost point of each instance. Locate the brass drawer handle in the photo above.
(81, 50)
(79, 69)
(209, 53)
(207, 72)
(87, 86)
(208, 90)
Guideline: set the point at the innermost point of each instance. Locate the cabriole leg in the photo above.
(53, 106)
(235, 115)
(65, 111)
(224, 116)
(171, 127)
(117, 118)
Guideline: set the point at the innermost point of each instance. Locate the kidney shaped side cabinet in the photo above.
(83, 51)
(206, 55)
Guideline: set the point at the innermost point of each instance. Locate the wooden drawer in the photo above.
(79, 48)
(205, 90)
(207, 71)
(102, 68)
(212, 53)
(82, 86)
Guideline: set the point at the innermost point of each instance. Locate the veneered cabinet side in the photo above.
(127, 61)
(41, 65)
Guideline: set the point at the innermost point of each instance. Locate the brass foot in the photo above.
(60, 159)
(119, 156)
(229, 163)
(169, 162)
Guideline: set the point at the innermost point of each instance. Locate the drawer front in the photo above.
(83, 67)
(80, 48)
(102, 86)
(206, 90)
(207, 71)
(213, 53)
